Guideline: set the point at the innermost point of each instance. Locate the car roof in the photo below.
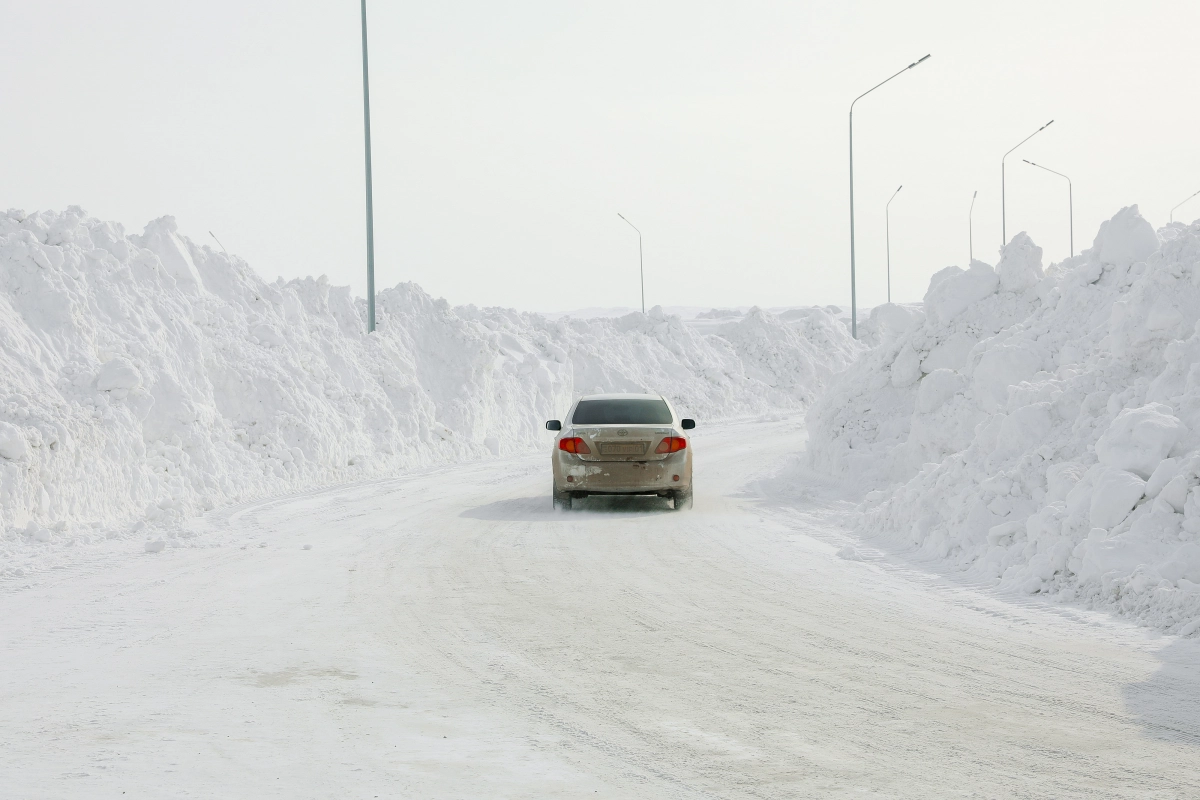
(622, 396)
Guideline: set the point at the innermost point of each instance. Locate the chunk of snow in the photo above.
(161, 237)
(1175, 493)
(937, 387)
(906, 369)
(12, 442)
(1166, 470)
(954, 293)
(950, 353)
(1001, 367)
(1114, 494)
(892, 320)
(1140, 438)
(1020, 264)
(1061, 478)
(1125, 239)
(118, 373)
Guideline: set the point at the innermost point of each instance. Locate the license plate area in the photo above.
(623, 448)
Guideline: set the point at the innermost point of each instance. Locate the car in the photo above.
(622, 444)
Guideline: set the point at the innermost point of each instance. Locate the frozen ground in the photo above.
(446, 635)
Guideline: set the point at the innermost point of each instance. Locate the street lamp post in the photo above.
(971, 230)
(218, 241)
(1177, 205)
(853, 292)
(1003, 207)
(370, 208)
(1070, 199)
(641, 270)
(887, 232)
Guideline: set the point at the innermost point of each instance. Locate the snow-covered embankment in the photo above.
(1041, 430)
(145, 379)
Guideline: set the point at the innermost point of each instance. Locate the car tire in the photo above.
(562, 500)
(682, 500)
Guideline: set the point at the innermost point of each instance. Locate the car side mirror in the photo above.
(553, 425)
(687, 424)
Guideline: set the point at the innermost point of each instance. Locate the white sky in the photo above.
(507, 136)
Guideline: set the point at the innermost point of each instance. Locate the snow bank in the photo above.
(1042, 429)
(145, 379)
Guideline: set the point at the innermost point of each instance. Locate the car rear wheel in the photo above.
(561, 499)
(682, 500)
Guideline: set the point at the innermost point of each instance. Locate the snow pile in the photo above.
(1043, 430)
(887, 322)
(146, 378)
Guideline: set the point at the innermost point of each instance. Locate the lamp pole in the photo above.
(370, 206)
(1003, 207)
(971, 229)
(887, 232)
(218, 241)
(1177, 205)
(1070, 199)
(641, 270)
(853, 293)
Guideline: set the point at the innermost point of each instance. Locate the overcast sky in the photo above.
(507, 136)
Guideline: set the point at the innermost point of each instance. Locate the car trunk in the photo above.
(623, 442)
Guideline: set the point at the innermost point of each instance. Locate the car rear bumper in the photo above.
(573, 474)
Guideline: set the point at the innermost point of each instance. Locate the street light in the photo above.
(1003, 208)
(641, 271)
(887, 232)
(1070, 199)
(218, 241)
(370, 208)
(971, 229)
(1177, 205)
(853, 295)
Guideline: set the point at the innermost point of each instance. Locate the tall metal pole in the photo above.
(1070, 199)
(218, 241)
(370, 204)
(641, 270)
(1177, 205)
(853, 290)
(887, 232)
(971, 229)
(1003, 207)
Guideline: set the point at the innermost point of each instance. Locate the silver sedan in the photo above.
(622, 444)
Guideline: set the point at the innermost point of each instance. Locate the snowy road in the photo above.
(448, 636)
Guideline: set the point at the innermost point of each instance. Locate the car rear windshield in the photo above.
(622, 412)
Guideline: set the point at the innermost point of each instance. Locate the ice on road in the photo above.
(447, 635)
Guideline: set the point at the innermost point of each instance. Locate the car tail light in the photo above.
(574, 444)
(671, 444)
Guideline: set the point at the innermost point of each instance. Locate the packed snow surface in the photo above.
(445, 634)
(1041, 429)
(145, 379)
